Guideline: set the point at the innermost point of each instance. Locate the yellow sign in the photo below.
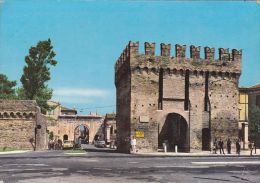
(139, 134)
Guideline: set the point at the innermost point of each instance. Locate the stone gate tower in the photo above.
(180, 101)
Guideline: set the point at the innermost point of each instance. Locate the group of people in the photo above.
(219, 145)
(55, 144)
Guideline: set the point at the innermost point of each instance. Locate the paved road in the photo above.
(100, 165)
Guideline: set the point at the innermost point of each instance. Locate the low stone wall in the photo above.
(16, 133)
(18, 124)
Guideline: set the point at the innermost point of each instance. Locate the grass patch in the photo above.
(4, 149)
(75, 151)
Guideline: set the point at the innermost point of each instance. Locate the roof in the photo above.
(18, 105)
(79, 117)
(255, 87)
(252, 88)
(110, 116)
(68, 109)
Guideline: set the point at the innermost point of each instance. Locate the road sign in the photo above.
(139, 134)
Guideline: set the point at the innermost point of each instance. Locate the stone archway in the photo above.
(175, 132)
(81, 134)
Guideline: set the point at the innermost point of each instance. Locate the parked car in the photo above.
(100, 143)
(67, 144)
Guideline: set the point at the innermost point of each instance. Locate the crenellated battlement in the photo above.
(131, 55)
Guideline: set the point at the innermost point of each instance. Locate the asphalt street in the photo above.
(103, 165)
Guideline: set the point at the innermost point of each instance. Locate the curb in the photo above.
(194, 155)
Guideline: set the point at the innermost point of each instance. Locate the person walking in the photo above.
(229, 146)
(215, 146)
(221, 146)
(251, 147)
(238, 146)
(133, 144)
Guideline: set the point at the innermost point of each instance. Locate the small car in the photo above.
(100, 143)
(67, 144)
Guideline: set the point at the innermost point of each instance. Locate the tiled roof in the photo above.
(67, 109)
(110, 115)
(255, 87)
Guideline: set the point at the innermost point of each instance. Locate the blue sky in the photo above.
(88, 37)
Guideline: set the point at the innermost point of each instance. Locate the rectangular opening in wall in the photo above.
(206, 107)
(187, 83)
(258, 100)
(160, 90)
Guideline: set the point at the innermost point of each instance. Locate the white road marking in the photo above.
(102, 168)
(59, 169)
(89, 160)
(180, 166)
(132, 162)
(227, 163)
(32, 169)
(1, 181)
(83, 171)
(26, 165)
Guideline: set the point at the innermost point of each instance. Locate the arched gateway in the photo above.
(81, 135)
(175, 132)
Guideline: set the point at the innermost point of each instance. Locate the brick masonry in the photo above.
(202, 92)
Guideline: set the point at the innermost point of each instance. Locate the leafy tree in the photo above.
(7, 90)
(51, 135)
(36, 73)
(254, 121)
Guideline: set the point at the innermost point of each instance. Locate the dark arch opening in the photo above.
(65, 137)
(175, 132)
(205, 139)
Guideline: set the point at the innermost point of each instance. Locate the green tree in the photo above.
(36, 73)
(51, 135)
(7, 90)
(254, 121)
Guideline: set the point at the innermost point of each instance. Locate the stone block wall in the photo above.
(18, 120)
(41, 131)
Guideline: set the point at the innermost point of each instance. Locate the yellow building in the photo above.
(59, 110)
(243, 116)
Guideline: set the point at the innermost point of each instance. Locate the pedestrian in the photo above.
(221, 146)
(251, 147)
(133, 144)
(229, 146)
(215, 146)
(238, 146)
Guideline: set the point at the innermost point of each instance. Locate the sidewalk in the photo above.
(14, 152)
(243, 153)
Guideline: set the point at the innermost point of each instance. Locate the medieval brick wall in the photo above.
(123, 101)
(18, 120)
(202, 92)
